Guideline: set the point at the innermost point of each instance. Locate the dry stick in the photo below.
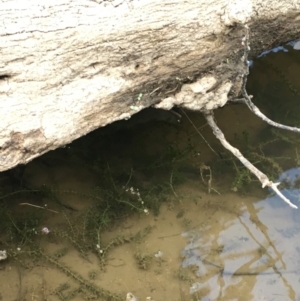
(261, 176)
(131, 172)
(28, 204)
(247, 98)
(209, 187)
(171, 184)
(257, 112)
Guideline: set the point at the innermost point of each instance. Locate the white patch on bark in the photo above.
(195, 97)
(237, 11)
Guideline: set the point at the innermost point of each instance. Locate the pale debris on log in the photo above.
(197, 97)
(237, 12)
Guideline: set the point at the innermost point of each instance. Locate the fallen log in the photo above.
(69, 67)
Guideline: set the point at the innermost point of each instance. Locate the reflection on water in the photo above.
(254, 257)
(193, 245)
(294, 44)
(290, 179)
(260, 248)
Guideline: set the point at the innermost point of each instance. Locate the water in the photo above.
(129, 210)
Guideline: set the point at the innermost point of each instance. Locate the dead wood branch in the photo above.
(261, 176)
(247, 98)
(36, 206)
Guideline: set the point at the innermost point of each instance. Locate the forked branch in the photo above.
(247, 99)
(261, 176)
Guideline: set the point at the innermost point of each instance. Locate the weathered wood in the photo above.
(68, 67)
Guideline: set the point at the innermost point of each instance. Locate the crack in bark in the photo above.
(5, 76)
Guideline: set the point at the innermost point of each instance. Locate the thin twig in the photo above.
(209, 182)
(198, 131)
(247, 98)
(110, 176)
(261, 176)
(154, 90)
(171, 184)
(131, 172)
(170, 91)
(40, 207)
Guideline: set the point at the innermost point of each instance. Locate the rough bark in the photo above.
(69, 67)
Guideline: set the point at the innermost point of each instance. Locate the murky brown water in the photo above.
(234, 243)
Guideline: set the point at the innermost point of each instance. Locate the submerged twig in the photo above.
(260, 175)
(171, 184)
(36, 206)
(209, 182)
(128, 181)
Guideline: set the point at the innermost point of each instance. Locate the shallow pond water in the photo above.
(152, 210)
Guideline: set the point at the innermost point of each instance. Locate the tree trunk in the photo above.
(69, 67)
